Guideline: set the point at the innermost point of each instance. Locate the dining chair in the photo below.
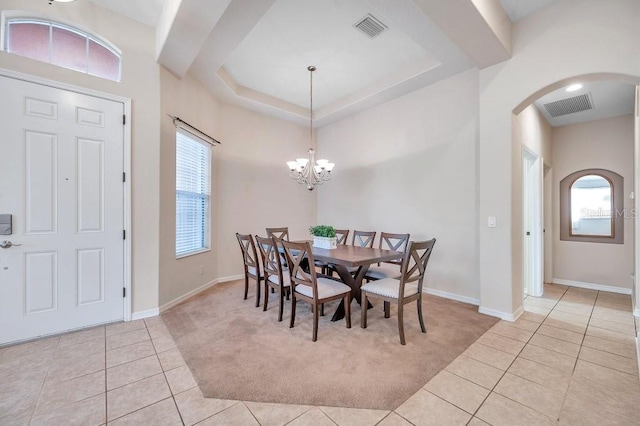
(404, 290)
(363, 238)
(307, 287)
(273, 274)
(251, 264)
(391, 269)
(280, 233)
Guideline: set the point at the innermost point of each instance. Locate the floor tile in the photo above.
(607, 359)
(589, 404)
(354, 416)
(613, 336)
(613, 326)
(613, 315)
(572, 318)
(533, 317)
(539, 302)
(616, 304)
(457, 391)
(194, 407)
(627, 349)
(127, 338)
(475, 371)
(59, 394)
(137, 395)
(163, 413)
(477, 422)
(524, 324)
(81, 350)
(129, 353)
(313, 417)
(90, 411)
(394, 420)
(64, 369)
(565, 325)
(275, 414)
(537, 310)
(424, 408)
(491, 356)
(541, 374)
(132, 372)
(19, 419)
(152, 321)
(551, 343)
(530, 394)
(171, 359)
(500, 411)
(549, 358)
(237, 414)
(559, 333)
(164, 343)
(123, 327)
(159, 330)
(504, 329)
(82, 336)
(41, 347)
(614, 380)
(574, 308)
(501, 343)
(180, 379)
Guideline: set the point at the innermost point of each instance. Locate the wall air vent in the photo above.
(370, 26)
(569, 105)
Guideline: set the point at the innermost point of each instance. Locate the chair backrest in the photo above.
(395, 242)
(249, 254)
(414, 264)
(296, 253)
(342, 235)
(363, 238)
(271, 263)
(279, 233)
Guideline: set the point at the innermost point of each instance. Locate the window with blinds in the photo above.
(193, 205)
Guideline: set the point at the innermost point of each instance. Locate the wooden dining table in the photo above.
(344, 256)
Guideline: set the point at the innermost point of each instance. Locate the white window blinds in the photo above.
(193, 175)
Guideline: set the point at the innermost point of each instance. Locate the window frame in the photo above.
(208, 212)
(616, 183)
(27, 17)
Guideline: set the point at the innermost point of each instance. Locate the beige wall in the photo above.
(549, 49)
(410, 166)
(140, 83)
(603, 144)
(251, 188)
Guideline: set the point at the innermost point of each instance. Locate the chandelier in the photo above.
(308, 171)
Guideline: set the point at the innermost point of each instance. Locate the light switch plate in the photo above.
(491, 222)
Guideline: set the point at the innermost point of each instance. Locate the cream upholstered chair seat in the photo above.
(389, 287)
(381, 272)
(326, 288)
(286, 280)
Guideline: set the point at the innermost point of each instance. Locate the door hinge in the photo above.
(124, 119)
(124, 292)
(124, 177)
(124, 234)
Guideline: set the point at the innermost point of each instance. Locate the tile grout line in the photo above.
(46, 375)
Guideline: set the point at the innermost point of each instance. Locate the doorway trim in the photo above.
(532, 201)
(126, 164)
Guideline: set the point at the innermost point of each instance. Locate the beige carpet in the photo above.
(237, 351)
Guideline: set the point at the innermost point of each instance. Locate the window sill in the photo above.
(192, 253)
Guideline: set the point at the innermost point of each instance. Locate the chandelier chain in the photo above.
(311, 107)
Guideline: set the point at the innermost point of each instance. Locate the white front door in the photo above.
(61, 179)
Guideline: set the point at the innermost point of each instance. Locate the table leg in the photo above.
(355, 283)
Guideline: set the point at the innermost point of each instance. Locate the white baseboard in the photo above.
(202, 288)
(592, 286)
(638, 350)
(145, 314)
(636, 313)
(452, 296)
(502, 315)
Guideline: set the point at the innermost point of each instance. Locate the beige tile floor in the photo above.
(569, 360)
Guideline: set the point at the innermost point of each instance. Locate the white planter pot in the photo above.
(325, 242)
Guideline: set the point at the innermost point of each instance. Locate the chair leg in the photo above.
(387, 309)
(246, 287)
(288, 293)
(424, 329)
(401, 322)
(322, 310)
(293, 311)
(258, 293)
(266, 296)
(347, 309)
(363, 316)
(281, 304)
(316, 318)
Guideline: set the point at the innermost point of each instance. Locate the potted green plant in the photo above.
(324, 236)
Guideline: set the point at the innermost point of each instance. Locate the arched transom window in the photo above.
(62, 45)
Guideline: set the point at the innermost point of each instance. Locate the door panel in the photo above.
(62, 162)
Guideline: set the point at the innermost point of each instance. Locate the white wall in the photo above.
(140, 82)
(410, 166)
(549, 49)
(603, 144)
(251, 188)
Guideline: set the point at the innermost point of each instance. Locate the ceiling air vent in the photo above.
(370, 26)
(569, 105)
